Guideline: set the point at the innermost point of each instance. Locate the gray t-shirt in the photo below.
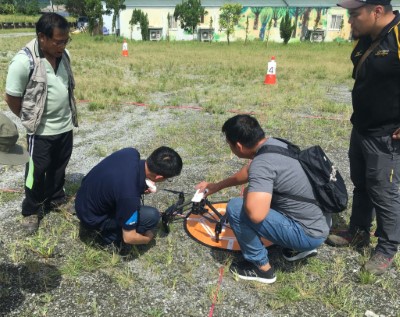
(269, 172)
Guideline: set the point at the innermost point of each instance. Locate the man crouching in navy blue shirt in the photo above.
(109, 199)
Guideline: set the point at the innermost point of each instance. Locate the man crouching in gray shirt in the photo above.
(298, 227)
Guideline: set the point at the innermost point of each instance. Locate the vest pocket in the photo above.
(32, 105)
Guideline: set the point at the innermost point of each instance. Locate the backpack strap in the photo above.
(397, 33)
(293, 152)
(366, 54)
(31, 61)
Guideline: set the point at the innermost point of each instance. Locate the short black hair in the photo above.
(165, 161)
(49, 21)
(244, 129)
(387, 8)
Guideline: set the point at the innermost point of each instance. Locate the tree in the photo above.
(229, 17)
(56, 3)
(296, 12)
(256, 11)
(211, 30)
(247, 29)
(7, 8)
(265, 18)
(277, 13)
(269, 30)
(286, 28)
(320, 11)
(138, 16)
(27, 7)
(189, 13)
(94, 12)
(116, 6)
(76, 8)
(168, 25)
(304, 23)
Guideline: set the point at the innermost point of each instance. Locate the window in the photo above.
(336, 22)
(173, 24)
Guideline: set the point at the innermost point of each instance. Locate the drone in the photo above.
(204, 221)
(199, 205)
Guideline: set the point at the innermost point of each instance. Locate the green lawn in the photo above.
(310, 104)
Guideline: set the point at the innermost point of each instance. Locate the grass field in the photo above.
(198, 85)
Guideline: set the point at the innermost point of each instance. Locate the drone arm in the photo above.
(180, 207)
(209, 205)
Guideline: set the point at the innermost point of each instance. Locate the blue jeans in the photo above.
(276, 227)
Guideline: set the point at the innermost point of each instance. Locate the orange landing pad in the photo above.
(201, 228)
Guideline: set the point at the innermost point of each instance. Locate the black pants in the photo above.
(375, 173)
(110, 231)
(45, 172)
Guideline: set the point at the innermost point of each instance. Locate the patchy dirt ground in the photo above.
(174, 276)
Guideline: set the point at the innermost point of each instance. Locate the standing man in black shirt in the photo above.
(374, 150)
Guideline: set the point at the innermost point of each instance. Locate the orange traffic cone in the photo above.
(125, 49)
(270, 77)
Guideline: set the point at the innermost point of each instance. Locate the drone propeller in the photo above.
(175, 191)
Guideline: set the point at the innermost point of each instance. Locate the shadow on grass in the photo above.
(17, 280)
(274, 254)
(127, 252)
(72, 183)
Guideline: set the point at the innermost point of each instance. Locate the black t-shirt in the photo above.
(376, 92)
(113, 188)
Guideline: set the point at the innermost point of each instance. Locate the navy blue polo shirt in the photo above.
(113, 188)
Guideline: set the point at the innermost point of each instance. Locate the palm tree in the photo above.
(256, 11)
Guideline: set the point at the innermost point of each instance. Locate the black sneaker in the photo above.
(248, 271)
(292, 255)
(55, 204)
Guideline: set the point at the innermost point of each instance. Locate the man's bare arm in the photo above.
(14, 103)
(239, 178)
(132, 237)
(257, 205)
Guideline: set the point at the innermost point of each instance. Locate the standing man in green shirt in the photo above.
(39, 90)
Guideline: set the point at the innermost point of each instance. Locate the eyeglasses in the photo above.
(62, 43)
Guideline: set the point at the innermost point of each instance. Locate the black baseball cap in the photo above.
(354, 4)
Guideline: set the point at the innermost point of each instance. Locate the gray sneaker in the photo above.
(378, 264)
(358, 239)
(30, 224)
(292, 255)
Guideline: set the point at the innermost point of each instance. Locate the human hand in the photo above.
(151, 187)
(150, 234)
(396, 134)
(207, 188)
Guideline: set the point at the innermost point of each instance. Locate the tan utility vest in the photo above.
(35, 94)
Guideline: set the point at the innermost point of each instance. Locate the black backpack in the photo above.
(327, 183)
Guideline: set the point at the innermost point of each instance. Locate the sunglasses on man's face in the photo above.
(62, 43)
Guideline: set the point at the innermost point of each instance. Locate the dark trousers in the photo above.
(375, 173)
(45, 173)
(110, 231)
